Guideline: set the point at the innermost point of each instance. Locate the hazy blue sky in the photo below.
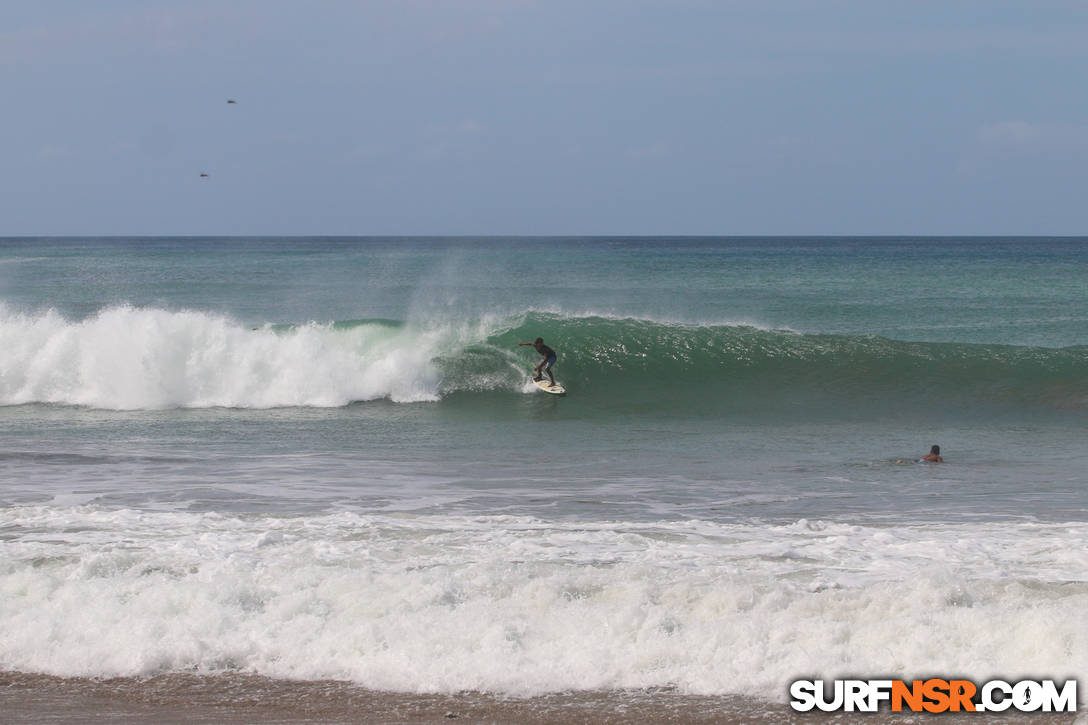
(550, 117)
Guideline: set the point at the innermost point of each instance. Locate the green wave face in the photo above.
(703, 367)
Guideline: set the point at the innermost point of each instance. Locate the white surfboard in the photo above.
(546, 385)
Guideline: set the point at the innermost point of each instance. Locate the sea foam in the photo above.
(523, 606)
(141, 358)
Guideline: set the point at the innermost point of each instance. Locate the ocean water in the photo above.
(322, 459)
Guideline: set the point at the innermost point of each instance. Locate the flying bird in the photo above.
(231, 100)
(203, 176)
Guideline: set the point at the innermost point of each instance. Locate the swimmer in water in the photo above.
(934, 456)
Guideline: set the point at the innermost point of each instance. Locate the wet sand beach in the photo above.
(236, 699)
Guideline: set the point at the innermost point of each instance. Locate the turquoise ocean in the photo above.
(321, 459)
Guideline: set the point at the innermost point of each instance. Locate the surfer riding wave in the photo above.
(546, 363)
